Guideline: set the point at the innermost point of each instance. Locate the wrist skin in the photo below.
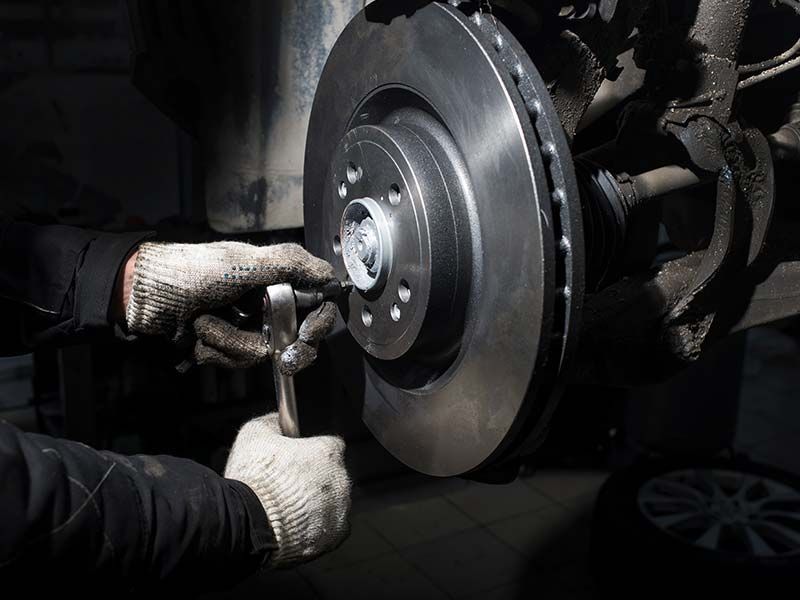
(122, 289)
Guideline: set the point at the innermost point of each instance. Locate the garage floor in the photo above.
(456, 539)
(421, 538)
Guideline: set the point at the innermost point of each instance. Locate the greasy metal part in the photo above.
(700, 122)
(280, 330)
(785, 143)
(774, 297)
(711, 267)
(658, 182)
(690, 52)
(622, 337)
(754, 171)
(630, 338)
(311, 299)
(612, 93)
(772, 62)
(580, 75)
(588, 9)
(661, 321)
(770, 73)
(745, 202)
(439, 411)
(704, 72)
(701, 70)
(793, 4)
(718, 27)
(609, 205)
(575, 60)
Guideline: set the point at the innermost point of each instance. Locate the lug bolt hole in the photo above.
(404, 291)
(354, 173)
(395, 312)
(342, 190)
(337, 245)
(394, 194)
(366, 316)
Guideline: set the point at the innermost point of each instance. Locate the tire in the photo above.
(632, 557)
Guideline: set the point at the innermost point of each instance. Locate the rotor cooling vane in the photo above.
(439, 182)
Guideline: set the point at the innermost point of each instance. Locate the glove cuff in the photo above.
(288, 517)
(155, 304)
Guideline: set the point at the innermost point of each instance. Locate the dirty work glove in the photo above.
(175, 284)
(220, 343)
(302, 484)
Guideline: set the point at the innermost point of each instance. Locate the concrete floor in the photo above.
(431, 539)
(456, 539)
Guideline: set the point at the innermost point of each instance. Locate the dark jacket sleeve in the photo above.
(56, 282)
(71, 516)
(76, 516)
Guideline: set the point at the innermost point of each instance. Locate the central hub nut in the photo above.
(366, 244)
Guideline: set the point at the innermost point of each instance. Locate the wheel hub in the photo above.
(396, 237)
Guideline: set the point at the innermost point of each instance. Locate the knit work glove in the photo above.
(175, 285)
(302, 484)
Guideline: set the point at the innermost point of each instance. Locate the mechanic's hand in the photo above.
(302, 484)
(175, 284)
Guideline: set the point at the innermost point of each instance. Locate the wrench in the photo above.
(279, 331)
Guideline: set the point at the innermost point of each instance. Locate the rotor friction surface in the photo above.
(435, 59)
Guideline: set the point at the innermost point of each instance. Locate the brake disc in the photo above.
(438, 180)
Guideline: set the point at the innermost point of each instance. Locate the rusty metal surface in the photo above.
(255, 138)
(663, 320)
(691, 57)
(240, 77)
(629, 337)
(577, 59)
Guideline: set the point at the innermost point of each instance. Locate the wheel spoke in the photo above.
(784, 534)
(667, 521)
(787, 498)
(710, 539)
(780, 514)
(713, 508)
(660, 500)
(758, 545)
(681, 489)
(748, 483)
(709, 480)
